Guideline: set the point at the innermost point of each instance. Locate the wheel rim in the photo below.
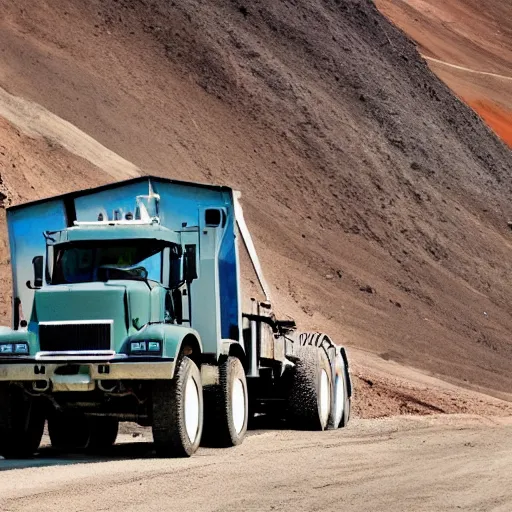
(191, 409)
(325, 397)
(238, 405)
(339, 398)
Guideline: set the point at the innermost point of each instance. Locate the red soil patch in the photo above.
(498, 118)
(463, 33)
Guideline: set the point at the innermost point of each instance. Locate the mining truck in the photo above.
(127, 305)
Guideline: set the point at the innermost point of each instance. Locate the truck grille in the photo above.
(58, 337)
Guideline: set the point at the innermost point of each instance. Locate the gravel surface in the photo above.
(441, 463)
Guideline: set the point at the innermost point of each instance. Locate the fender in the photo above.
(235, 349)
(8, 335)
(171, 336)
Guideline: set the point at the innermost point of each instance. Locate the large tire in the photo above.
(346, 409)
(177, 409)
(77, 433)
(22, 420)
(102, 434)
(340, 410)
(68, 432)
(227, 406)
(309, 400)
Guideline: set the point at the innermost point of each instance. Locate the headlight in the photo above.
(14, 348)
(145, 346)
(21, 348)
(138, 346)
(6, 348)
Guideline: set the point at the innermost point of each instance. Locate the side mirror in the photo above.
(37, 263)
(189, 263)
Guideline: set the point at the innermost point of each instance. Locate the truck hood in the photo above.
(124, 302)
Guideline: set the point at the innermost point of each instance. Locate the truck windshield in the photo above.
(81, 262)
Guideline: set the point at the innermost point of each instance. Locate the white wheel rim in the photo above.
(339, 398)
(325, 397)
(238, 405)
(191, 409)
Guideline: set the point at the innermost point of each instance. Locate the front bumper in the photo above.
(89, 371)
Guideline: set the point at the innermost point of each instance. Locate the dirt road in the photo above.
(462, 68)
(440, 463)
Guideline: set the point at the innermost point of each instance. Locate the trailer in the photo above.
(128, 306)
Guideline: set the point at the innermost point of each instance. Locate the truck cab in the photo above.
(104, 285)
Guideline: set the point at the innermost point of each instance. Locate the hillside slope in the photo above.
(469, 47)
(378, 200)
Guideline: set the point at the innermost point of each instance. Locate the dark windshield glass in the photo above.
(80, 262)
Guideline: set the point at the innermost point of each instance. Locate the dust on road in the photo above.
(440, 463)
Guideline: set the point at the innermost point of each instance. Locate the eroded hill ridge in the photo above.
(378, 200)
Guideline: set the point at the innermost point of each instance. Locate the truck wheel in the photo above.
(346, 408)
(309, 400)
(76, 433)
(102, 434)
(227, 405)
(340, 410)
(178, 412)
(21, 422)
(68, 432)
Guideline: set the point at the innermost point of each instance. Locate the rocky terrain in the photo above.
(468, 44)
(379, 201)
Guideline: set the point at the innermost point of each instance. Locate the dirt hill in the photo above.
(378, 200)
(469, 46)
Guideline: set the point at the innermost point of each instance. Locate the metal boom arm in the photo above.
(249, 245)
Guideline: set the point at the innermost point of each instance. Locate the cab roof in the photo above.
(115, 231)
(71, 196)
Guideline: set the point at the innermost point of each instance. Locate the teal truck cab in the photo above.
(127, 306)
